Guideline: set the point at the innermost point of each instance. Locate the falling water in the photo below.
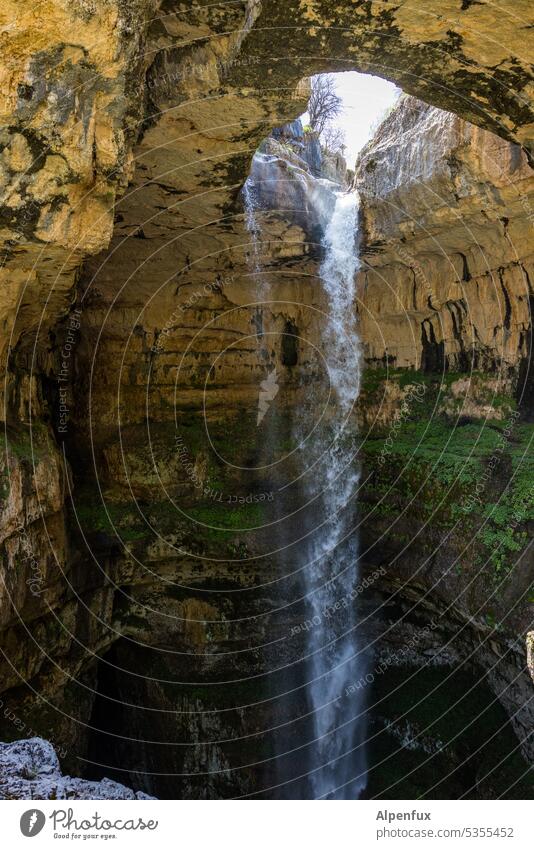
(337, 272)
(251, 204)
(326, 553)
(337, 767)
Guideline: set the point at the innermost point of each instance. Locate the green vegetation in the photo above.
(109, 517)
(505, 533)
(471, 474)
(220, 523)
(215, 525)
(437, 385)
(24, 443)
(227, 516)
(28, 446)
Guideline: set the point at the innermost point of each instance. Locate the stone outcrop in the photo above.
(29, 769)
(69, 119)
(445, 319)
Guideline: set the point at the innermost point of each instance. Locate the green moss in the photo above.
(197, 527)
(375, 377)
(192, 430)
(442, 466)
(505, 532)
(236, 434)
(4, 483)
(225, 520)
(437, 387)
(110, 518)
(28, 446)
(234, 438)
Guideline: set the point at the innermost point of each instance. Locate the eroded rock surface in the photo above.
(447, 214)
(84, 81)
(29, 769)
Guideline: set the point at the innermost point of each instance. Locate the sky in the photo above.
(365, 100)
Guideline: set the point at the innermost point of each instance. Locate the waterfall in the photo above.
(250, 201)
(316, 511)
(337, 765)
(337, 272)
(250, 207)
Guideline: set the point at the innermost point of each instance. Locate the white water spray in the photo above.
(337, 769)
(251, 204)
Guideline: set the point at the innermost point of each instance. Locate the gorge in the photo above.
(256, 543)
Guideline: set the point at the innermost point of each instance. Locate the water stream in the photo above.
(331, 574)
(326, 555)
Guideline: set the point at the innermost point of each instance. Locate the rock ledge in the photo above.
(29, 769)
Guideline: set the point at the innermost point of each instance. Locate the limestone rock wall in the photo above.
(68, 120)
(445, 312)
(84, 80)
(447, 215)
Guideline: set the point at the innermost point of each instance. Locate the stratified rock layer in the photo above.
(448, 251)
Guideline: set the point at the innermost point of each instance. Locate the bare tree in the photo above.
(333, 139)
(324, 103)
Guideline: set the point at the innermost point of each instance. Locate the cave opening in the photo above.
(294, 145)
(168, 448)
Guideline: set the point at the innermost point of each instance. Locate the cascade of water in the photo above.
(337, 767)
(252, 204)
(327, 554)
(250, 201)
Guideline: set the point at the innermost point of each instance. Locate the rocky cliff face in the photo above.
(448, 254)
(85, 81)
(130, 353)
(445, 318)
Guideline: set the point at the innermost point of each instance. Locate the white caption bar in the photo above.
(268, 825)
